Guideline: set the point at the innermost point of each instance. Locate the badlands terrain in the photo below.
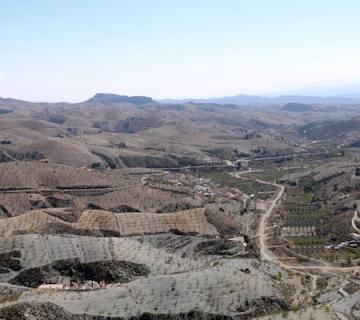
(127, 208)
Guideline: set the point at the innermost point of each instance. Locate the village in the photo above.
(67, 284)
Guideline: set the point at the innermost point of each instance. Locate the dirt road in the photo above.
(353, 221)
(266, 254)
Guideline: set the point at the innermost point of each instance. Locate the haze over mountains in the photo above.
(262, 100)
(244, 99)
(179, 160)
(316, 95)
(123, 208)
(348, 91)
(329, 95)
(326, 95)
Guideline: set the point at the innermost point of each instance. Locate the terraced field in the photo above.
(40, 175)
(122, 211)
(122, 224)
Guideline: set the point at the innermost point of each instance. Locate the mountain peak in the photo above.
(114, 98)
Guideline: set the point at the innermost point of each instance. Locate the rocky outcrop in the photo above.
(4, 212)
(9, 261)
(109, 271)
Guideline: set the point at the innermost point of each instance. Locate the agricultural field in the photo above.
(127, 211)
(310, 223)
(247, 186)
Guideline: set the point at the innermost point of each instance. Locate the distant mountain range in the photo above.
(316, 95)
(242, 99)
(350, 91)
(263, 100)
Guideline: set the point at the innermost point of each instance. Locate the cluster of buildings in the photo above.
(207, 188)
(87, 285)
(354, 243)
(203, 186)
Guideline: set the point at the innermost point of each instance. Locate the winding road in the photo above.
(353, 221)
(266, 254)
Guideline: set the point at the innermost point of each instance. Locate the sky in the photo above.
(68, 50)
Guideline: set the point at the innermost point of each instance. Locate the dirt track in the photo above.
(266, 254)
(353, 221)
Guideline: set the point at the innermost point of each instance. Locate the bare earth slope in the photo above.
(124, 208)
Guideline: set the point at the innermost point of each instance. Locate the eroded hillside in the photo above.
(124, 208)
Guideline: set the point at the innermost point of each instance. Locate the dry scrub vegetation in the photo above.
(139, 195)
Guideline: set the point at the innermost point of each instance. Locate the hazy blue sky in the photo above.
(71, 49)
